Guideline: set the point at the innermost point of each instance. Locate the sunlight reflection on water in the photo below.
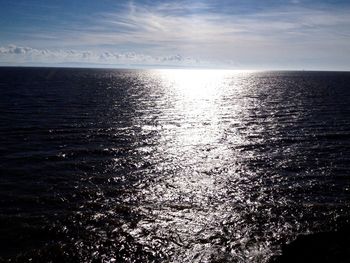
(195, 195)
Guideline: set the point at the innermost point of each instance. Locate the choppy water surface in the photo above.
(171, 165)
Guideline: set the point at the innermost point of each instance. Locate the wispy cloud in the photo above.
(167, 28)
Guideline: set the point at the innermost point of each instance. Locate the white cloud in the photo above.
(51, 56)
(209, 35)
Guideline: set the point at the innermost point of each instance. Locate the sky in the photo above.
(232, 34)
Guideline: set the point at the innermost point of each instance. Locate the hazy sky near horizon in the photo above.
(236, 34)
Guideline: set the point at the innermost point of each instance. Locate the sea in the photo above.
(109, 165)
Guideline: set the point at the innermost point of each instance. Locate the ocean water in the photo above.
(169, 165)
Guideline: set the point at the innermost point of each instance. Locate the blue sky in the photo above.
(236, 34)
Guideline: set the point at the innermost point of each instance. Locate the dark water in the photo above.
(169, 166)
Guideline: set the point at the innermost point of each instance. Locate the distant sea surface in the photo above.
(170, 165)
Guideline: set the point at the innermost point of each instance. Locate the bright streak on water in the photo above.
(200, 183)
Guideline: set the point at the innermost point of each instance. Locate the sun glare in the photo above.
(196, 96)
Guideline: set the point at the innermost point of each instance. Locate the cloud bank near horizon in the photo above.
(26, 55)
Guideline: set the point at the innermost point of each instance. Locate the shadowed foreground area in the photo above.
(326, 247)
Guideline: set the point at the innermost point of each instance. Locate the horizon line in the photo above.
(171, 68)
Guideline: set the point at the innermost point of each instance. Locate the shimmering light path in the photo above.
(170, 165)
(204, 201)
